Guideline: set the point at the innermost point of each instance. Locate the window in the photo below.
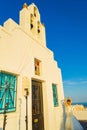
(31, 22)
(35, 11)
(8, 92)
(31, 25)
(55, 97)
(38, 30)
(38, 27)
(37, 66)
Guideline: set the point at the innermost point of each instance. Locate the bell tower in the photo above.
(30, 22)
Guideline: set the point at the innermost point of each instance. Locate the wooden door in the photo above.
(37, 106)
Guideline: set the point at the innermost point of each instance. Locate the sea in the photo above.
(80, 103)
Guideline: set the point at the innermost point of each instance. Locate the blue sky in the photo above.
(66, 34)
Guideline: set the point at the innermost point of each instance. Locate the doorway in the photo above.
(37, 106)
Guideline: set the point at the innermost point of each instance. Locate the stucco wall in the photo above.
(17, 52)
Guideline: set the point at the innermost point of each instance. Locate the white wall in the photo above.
(17, 52)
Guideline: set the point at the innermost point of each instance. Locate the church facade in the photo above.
(31, 86)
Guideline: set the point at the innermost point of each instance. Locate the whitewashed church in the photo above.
(31, 86)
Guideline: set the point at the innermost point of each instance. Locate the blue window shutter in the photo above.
(55, 97)
(8, 84)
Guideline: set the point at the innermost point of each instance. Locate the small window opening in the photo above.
(35, 14)
(38, 30)
(31, 24)
(37, 66)
(35, 11)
